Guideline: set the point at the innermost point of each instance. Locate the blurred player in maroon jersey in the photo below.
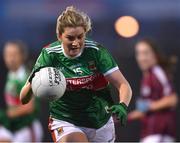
(156, 105)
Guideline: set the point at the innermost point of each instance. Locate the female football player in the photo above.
(158, 99)
(18, 122)
(84, 112)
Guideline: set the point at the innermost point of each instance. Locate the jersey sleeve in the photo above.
(44, 60)
(164, 81)
(106, 63)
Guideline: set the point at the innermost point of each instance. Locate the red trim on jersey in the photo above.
(92, 82)
(11, 100)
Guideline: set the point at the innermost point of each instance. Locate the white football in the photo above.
(49, 83)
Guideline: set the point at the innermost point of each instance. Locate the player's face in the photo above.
(73, 40)
(145, 56)
(12, 57)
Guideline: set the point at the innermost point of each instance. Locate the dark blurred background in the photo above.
(34, 22)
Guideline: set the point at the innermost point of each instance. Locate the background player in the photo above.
(18, 122)
(83, 113)
(158, 99)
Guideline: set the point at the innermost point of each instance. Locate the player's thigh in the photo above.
(62, 131)
(106, 133)
(25, 134)
(74, 137)
(5, 134)
(38, 131)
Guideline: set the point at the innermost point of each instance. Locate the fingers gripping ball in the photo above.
(49, 83)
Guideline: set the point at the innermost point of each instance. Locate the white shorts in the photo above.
(157, 138)
(61, 128)
(26, 134)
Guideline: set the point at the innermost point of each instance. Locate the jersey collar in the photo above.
(69, 56)
(19, 73)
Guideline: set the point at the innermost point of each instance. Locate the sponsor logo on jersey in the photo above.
(91, 82)
(92, 65)
(81, 81)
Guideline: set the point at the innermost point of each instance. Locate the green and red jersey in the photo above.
(87, 96)
(14, 82)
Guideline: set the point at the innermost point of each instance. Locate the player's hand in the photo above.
(143, 105)
(121, 111)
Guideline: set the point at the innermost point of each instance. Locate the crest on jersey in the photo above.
(92, 65)
(60, 130)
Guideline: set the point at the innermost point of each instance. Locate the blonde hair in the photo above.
(72, 17)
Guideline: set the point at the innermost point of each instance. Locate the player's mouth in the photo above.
(73, 49)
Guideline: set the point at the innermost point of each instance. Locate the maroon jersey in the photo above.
(154, 86)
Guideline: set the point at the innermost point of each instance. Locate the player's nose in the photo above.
(76, 43)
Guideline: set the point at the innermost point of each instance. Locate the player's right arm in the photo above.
(44, 60)
(26, 93)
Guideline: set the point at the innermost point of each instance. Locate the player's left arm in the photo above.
(110, 70)
(118, 80)
(125, 93)
(21, 110)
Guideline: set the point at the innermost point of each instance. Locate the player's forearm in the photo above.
(26, 93)
(125, 93)
(165, 102)
(119, 81)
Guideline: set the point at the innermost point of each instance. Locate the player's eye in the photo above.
(70, 38)
(80, 37)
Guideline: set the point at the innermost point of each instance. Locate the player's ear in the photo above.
(60, 37)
